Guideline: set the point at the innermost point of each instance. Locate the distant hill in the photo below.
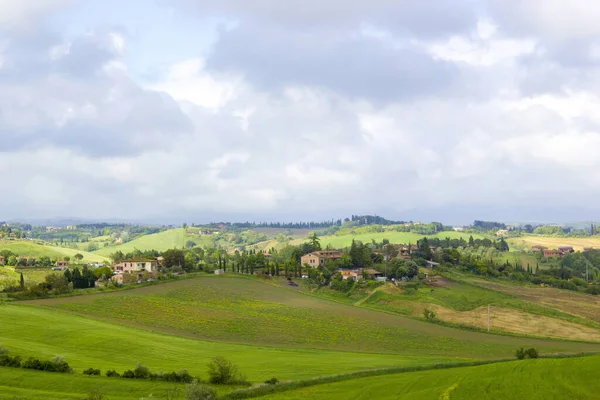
(172, 238)
(27, 248)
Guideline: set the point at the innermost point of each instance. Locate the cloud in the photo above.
(313, 111)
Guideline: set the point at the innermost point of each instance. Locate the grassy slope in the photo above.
(466, 304)
(30, 249)
(249, 311)
(32, 385)
(159, 241)
(571, 378)
(85, 342)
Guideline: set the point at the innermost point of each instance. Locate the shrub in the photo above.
(272, 381)
(91, 371)
(95, 396)
(593, 289)
(32, 363)
(111, 373)
(429, 314)
(6, 360)
(531, 353)
(141, 372)
(59, 364)
(198, 391)
(128, 374)
(221, 371)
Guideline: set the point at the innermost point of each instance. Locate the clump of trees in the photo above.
(143, 372)
(56, 364)
(223, 372)
(526, 353)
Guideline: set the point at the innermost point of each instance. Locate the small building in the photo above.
(350, 274)
(1, 260)
(566, 249)
(219, 272)
(62, 264)
(371, 273)
(502, 232)
(431, 264)
(538, 248)
(319, 258)
(552, 253)
(381, 279)
(130, 266)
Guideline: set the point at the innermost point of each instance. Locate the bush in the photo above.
(111, 373)
(198, 391)
(593, 289)
(141, 372)
(8, 361)
(429, 314)
(128, 374)
(91, 371)
(529, 353)
(60, 365)
(272, 381)
(221, 371)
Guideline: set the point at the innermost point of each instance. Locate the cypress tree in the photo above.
(22, 283)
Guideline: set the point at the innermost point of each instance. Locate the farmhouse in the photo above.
(566, 249)
(371, 273)
(319, 258)
(552, 253)
(351, 274)
(538, 248)
(130, 266)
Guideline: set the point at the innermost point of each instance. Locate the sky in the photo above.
(206, 110)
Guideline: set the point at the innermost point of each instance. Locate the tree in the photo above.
(315, 241)
(174, 258)
(78, 257)
(12, 261)
(22, 282)
(221, 371)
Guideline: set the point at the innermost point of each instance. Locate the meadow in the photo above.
(32, 276)
(466, 304)
(28, 248)
(86, 342)
(241, 310)
(162, 241)
(567, 378)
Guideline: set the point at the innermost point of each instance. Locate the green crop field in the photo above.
(86, 342)
(32, 276)
(27, 248)
(250, 311)
(568, 378)
(173, 238)
(339, 242)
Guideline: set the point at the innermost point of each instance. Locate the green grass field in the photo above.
(569, 378)
(173, 238)
(249, 311)
(86, 342)
(27, 248)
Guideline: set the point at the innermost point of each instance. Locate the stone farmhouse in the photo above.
(319, 258)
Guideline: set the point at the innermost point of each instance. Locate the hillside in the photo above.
(570, 378)
(27, 248)
(249, 311)
(173, 238)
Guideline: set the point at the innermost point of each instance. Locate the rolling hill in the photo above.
(172, 238)
(27, 248)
